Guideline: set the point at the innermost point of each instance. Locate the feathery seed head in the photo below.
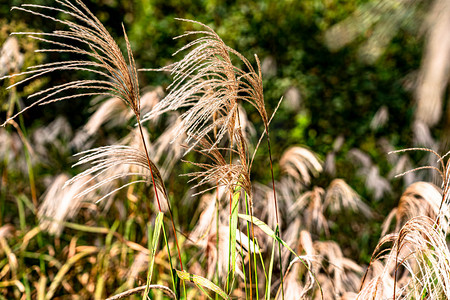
(299, 162)
(85, 36)
(207, 82)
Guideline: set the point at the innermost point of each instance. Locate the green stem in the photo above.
(156, 192)
(251, 234)
(277, 231)
(217, 237)
(172, 274)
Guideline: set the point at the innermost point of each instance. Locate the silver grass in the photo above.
(435, 67)
(110, 113)
(108, 179)
(244, 125)
(421, 199)
(293, 288)
(348, 296)
(442, 170)
(388, 221)
(375, 290)
(271, 212)
(110, 110)
(265, 210)
(422, 136)
(352, 274)
(380, 118)
(306, 243)
(11, 148)
(115, 157)
(300, 163)
(421, 249)
(299, 275)
(330, 160)
(377, 184)
(101, 56)
(387, 147)
(326, 257)
(11, 59)
(167, 149)
(207, 82)
(219, 172)
(360, 157)
(403, 164)
(314, 218)
(86, 36)
(217, 258)
(342, 274)
(288, 190)
(376, 282)
(207, 219)
(290, 236)
(57, 134)
(340, 196)
(113, 112)
(60, 204)
(331, 253)
(269, 66)
(329, 164)
(292, 98)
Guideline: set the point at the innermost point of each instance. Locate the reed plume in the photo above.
(299, 163)
(211, 86)
(100, 56)
(88, 38)
(416, 265)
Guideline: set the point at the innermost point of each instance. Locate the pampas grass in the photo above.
(235, 247)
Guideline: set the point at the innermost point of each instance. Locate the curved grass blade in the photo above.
(269, 279)
(198, 280)
(233, 229)
(267, 230)
(65, 268)
(154, 246)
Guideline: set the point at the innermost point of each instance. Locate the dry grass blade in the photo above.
(124, 160)
(293, 289)
(65, 268)
(140, 289)
(100, 55)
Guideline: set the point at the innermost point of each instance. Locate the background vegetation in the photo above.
(349, 109)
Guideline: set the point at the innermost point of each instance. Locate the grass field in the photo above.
(122, 224)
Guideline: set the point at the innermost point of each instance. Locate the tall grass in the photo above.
(236, 248)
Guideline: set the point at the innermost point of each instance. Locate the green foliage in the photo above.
(338, 96)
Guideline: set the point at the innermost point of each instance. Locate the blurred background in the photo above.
(358, 80)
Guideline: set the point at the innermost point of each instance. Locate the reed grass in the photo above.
(215, 259)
